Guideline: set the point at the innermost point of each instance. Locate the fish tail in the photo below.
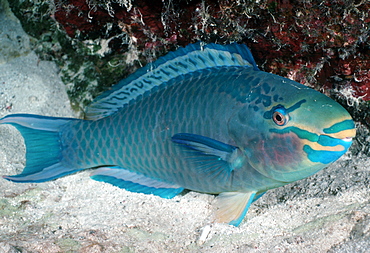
(44, 147)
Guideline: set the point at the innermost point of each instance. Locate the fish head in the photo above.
(289, 131)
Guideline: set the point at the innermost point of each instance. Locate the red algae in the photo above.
(289, 36)
(323, 44)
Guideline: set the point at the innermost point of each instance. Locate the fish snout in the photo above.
(344, 130)
(344, 135)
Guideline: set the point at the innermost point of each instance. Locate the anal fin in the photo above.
(135, 182)
(233, 206)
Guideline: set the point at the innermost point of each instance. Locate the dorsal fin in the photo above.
(183, 61)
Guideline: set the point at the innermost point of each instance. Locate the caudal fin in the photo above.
(44, 158)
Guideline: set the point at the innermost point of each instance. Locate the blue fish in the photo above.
(202, 118)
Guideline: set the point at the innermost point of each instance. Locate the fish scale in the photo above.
(204, 118)
(171, 123)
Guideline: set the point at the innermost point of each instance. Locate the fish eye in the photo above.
(280, 117)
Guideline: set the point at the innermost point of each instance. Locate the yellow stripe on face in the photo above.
(316, 146)
(349, 133)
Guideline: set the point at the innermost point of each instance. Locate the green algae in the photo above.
(68, 245)
(86, 68)
(7, 209)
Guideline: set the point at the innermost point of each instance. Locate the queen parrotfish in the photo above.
(202, 118)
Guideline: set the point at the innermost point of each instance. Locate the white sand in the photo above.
(327, 212)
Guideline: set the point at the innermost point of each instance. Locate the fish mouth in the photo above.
(345, 135)
(331, 144)
(347, 139)
(338, 141)
(344, 130)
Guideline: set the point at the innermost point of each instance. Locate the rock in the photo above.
(14, 42)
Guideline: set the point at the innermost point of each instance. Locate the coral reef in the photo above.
(323, 44)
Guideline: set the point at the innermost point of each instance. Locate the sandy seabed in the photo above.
(328, 212)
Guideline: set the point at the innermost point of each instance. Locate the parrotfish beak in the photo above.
(344, 130)
(345, 135)
(332, 143)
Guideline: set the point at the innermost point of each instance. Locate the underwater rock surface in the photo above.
(328, 212)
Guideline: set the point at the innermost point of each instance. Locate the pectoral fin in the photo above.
(215, 159)
(204, 145)
(232, 206)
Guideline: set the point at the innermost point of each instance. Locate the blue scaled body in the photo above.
(203, 118)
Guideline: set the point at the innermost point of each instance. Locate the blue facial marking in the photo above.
(344, 125)
(322, 156)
